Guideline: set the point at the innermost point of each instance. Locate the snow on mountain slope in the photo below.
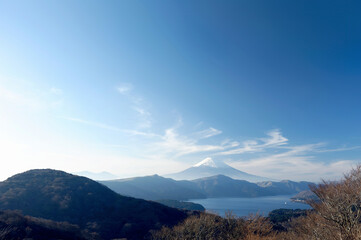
(206, 162)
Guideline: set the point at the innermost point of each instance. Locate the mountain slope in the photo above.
(60, 196)
(284, 186)
(154, 188)
(223, 186)
(208, 168)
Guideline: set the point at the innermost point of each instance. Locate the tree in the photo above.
(339, 203)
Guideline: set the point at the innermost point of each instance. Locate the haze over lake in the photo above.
(245, 206)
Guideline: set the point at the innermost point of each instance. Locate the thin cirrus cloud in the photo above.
(297, 163)
(207, 133)
(177, 145)
(145, 117)
(289, 162)
(32, 99)
(124, 88)
(170, 144)
(138, 105)
(94, 124)
(274, 139)
(111, 128)
(19, 99)
(338, 149)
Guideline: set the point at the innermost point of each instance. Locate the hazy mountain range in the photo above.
(203, 180)
(156, 187)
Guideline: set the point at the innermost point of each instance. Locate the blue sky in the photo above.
(142, 87)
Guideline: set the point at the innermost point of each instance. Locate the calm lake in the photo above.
(244, 206)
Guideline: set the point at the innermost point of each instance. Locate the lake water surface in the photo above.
(244, 206)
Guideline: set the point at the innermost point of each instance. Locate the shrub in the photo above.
(208, 226)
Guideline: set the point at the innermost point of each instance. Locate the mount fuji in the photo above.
(208, 168)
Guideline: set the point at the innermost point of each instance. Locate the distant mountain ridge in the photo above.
(208, 168)
(159, 188)
(154, 187)
(278, 187)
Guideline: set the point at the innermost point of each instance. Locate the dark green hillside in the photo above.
(281, 218)
(284, 215)
(60, 196)
(14, 226)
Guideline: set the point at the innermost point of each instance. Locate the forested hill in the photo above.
(60, 196)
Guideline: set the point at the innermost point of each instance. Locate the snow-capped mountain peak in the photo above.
(208, 162)
(208, 168)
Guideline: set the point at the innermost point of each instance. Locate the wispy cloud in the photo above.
(230, 143)
(111, 128)
(291, 162)
(207, 133)
(94, 124)
(170, 143)
(338, 149)
(274, 139)
(145, 117)
(20, 99)
(124, 88)
(177, 145)
(297, 163)
(30, 97)
(137, 104)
